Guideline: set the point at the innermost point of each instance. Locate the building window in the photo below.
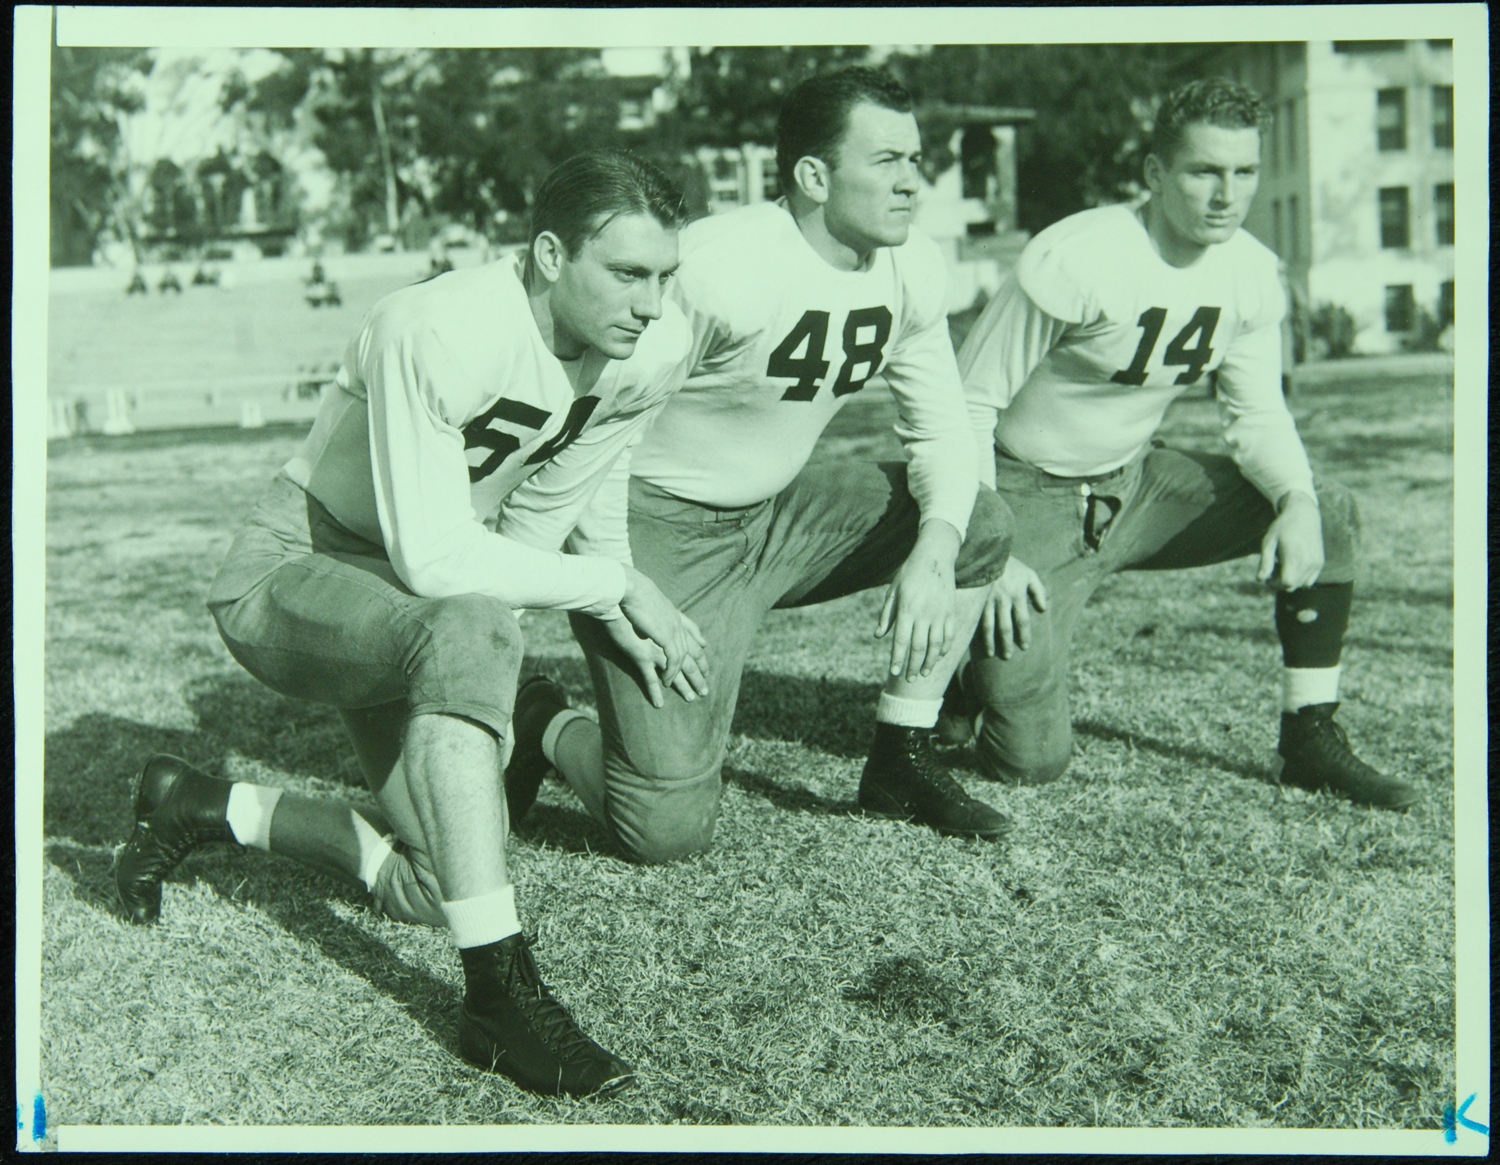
(1291, 131)
(1442, 116)
(1445, 303)
(1276, 226)
(1293, 227)
(1442, 210)
(1390, 119)
(1400, 308)
(1394, 217)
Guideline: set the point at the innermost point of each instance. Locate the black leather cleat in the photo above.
(511, 1024)
(177, 808)
(538, 701)
(903, 780)
(1314, 754)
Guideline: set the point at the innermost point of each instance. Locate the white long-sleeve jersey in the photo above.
(449, 407)
(781, 339)
(1072, 365)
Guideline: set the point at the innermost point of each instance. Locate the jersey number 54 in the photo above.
(810, 334)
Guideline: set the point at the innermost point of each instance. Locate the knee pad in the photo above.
(659, 821)
(1028, 743)
(986, 547)
(407, 890)
(1340, 513)
(658, 849)
(476, 626)
(469, 661)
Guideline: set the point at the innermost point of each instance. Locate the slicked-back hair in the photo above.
(815, 115)
(1211, 101)
(583, 195)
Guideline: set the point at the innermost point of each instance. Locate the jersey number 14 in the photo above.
(811, 333)
(1202, 325)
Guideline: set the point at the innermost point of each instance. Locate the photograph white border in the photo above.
(1466, 24)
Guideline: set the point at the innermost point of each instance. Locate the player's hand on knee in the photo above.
(693, 680)
(1005, 623)
(919, 608)
(652, 615)
(1291, 553)
(647, 658)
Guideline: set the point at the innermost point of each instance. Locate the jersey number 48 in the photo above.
(810, 335)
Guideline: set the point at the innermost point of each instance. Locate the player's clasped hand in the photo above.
(919, 605)
(1006, 622)
(663, 643)
(1291, 553)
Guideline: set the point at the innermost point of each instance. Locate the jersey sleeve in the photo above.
(580, 499)
(1057, 269)
(436, 543)
(1006, 343)
(932, 422)
(1257, 424)
(709, 328)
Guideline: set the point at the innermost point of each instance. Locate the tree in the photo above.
(447, 133)
(93, 91)
(1092, 105)
(733, 95)
(171, 211)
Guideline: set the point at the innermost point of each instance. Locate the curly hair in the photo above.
(815, 114)
(1212, 100)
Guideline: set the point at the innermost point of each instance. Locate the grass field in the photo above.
(1167, 939)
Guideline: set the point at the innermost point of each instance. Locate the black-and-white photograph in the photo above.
(904, 591)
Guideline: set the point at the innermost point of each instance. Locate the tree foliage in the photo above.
(414, 137)
(457, 133)
(93, 89)
(1084, 146)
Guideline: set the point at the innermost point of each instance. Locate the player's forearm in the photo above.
(1257, 425)
(943, 483)
(982, 420)
(937, 541)
(1269, 452)
(603, 529)
(518, 575)
(933, 428)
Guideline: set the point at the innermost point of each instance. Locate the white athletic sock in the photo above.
(487, 918)
(249, 814)
(1301, 686)
(907, 713)
(554, 730)
(373, 850)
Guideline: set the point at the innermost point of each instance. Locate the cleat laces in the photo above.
(523, 983)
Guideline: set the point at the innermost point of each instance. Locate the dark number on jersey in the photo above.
(810, 337)
(479, 435)
(1202, 325)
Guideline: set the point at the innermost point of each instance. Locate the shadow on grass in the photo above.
(1363, 452)
(91, 764)
(1438, 655)
(1166, 748)
(834, 716)
(794, 798)
(1407, 596)
(296, 900)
